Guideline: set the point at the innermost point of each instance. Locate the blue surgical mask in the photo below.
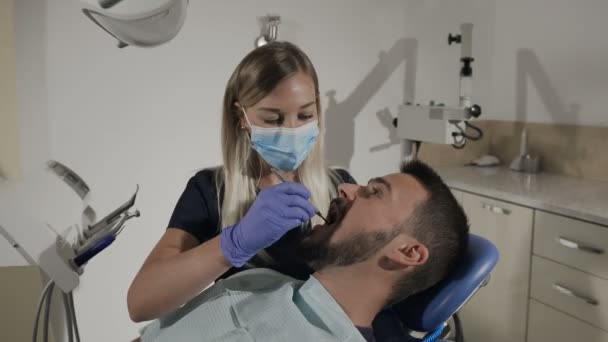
(281, 147)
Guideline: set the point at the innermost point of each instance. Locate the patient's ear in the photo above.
(405, 251)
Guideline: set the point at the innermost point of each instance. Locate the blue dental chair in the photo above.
(422, 317)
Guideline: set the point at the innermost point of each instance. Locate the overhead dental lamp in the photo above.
(144, 23)
(438, 123)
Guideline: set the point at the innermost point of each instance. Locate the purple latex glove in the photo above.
(276, 210)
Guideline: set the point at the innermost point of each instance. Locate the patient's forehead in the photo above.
(406, 191)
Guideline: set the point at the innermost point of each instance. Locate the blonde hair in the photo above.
(253, 79)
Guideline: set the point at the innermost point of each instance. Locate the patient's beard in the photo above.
(313, 248)
(319, 254)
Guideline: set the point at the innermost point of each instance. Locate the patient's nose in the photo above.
(348, 191)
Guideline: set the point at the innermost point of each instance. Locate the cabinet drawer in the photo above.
(572, 242)
(548, 325)
(498, 312)
(574, 292)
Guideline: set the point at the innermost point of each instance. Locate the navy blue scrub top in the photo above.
(197, 213)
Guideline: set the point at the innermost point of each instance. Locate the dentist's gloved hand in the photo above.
(276, 210)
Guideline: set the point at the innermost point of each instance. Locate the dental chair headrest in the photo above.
(428, 310)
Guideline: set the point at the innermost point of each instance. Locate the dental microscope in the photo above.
(437, 123)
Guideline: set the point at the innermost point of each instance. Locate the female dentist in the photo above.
(228, 216)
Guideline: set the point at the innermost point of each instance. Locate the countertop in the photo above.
(583, 199)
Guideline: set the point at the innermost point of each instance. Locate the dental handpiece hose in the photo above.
(276, 173)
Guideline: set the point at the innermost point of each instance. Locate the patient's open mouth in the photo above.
(315, 243)
(336, 213)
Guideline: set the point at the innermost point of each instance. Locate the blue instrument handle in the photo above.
(94, 250)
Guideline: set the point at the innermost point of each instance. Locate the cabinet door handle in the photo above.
(494, 209)
(577, 245)
(570, 293)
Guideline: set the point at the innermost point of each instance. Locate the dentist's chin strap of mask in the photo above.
(279, 208)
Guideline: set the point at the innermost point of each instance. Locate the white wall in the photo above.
(535, 60)
(550, 61)
(152, 116)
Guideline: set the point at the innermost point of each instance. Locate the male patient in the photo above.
(394, 237)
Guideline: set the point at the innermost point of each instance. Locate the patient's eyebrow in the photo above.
(382, 181)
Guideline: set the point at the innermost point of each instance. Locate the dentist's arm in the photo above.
(174, 272)
(178, 268)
